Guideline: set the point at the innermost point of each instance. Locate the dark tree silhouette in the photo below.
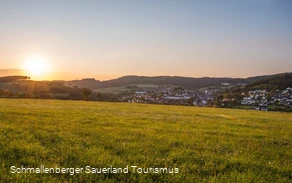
(13, 78)
(85, 93)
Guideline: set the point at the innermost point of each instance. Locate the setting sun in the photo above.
(37, 65)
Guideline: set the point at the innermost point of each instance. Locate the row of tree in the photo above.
(13, 78)
(79, 94)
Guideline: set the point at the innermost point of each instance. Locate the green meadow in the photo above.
(205, 144)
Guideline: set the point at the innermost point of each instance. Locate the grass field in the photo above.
(205, 144)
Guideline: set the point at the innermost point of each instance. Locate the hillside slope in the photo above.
(277, 82)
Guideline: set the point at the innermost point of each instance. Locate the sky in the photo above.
(112, 38)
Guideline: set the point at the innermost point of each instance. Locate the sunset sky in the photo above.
(108, 39)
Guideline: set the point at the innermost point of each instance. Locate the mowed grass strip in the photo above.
(206, 144)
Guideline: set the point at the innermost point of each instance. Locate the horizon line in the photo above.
(83, 78)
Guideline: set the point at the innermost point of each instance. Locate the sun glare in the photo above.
(37, 65)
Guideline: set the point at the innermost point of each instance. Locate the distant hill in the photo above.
(35, 86)
(187, 82)
(90, 83)
(22, 87)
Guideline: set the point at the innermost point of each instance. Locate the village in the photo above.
(260, 99)
(170, 95)
(253, 99)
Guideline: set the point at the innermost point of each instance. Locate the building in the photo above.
(247, 101)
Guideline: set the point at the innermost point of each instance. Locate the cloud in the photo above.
(5, 70)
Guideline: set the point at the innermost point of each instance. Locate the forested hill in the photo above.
(187, 82)
(277, 82)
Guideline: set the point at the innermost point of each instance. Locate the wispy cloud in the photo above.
(7, 70)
